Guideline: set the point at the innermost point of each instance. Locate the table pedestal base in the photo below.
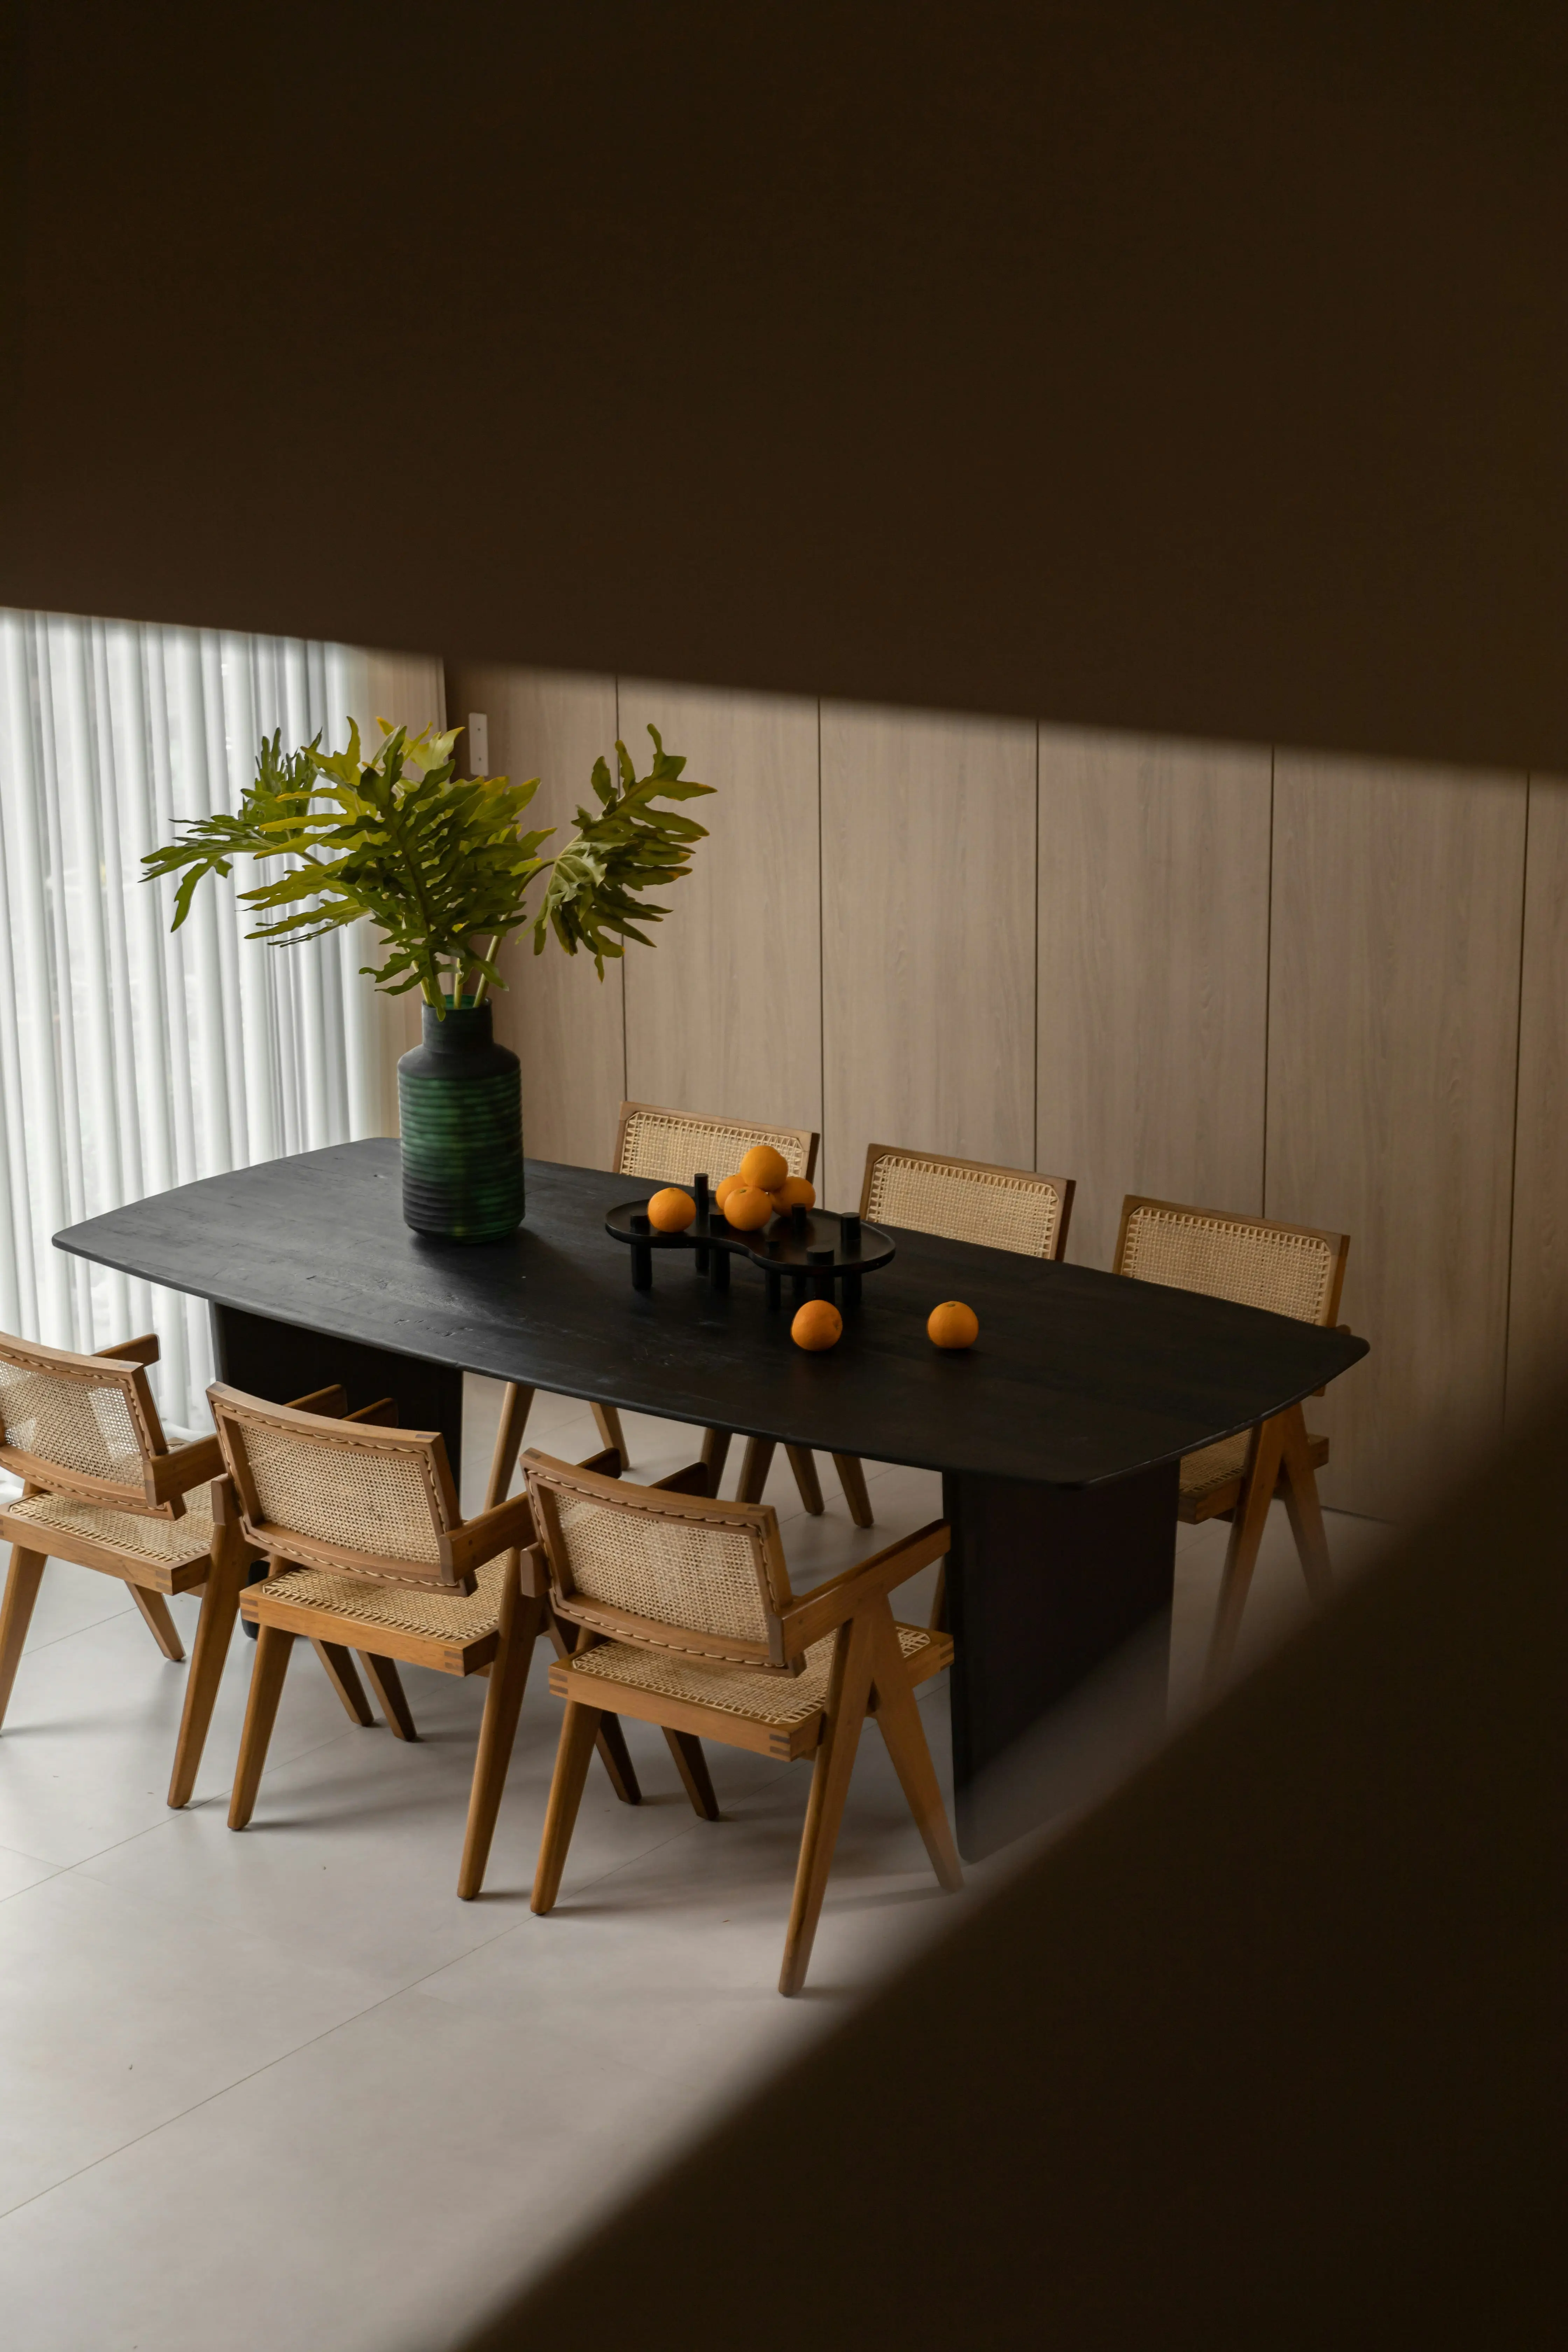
(1044, 1583)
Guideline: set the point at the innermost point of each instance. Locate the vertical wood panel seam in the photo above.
(821, 967)
(1034, 1001)
(1267, 987)
(1518, 1065)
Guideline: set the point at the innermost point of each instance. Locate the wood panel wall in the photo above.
(1244, 978)
(1153, 964)
(1538, 1307)
(1393, 1035)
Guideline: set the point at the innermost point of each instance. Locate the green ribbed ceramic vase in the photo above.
(459, 1099)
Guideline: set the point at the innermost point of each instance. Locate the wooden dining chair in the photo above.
(958, 1201)
(686, 1619)
(102, 1486)
(675, 1146)
(368, 1551)
(1294, 1270)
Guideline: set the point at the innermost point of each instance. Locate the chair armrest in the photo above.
(822, 1610)
(508, 1527)
(132, 1351)
(167, 1477)
(534, 1577)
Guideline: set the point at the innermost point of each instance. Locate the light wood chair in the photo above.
(368, 1551)
(675, 1146)
(959, 1201)
(102, 1486)
(1293, 1270)
(686, 1619)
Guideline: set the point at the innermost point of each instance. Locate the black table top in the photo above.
(1077, 1376)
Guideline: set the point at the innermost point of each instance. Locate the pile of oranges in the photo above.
(763, 1189)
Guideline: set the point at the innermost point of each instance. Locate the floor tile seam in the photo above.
(50, 1869)
(223, 2090)
(36, 1649)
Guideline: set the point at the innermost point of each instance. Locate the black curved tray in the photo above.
(817, 1251)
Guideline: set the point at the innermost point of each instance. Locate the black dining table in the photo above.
(1058, 1435)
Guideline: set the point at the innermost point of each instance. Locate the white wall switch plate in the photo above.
(478, 743)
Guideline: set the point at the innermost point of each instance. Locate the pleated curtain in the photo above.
(132, 1058)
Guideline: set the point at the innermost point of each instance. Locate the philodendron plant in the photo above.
(439, 863)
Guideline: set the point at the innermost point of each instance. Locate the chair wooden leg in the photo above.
(520, 1616)
(754, 1467)
(161, 1625)
(803, 1462)
(579, 1726)
(387, 1683)
(272, 1648)
(715, 1453)
(613, 1754)
(220, 1607)
(515, 1402)
(607, 1420)
(1304, 1508)
(1246, 1528)
(17, 1614)
(939, 1602)
(344, 1676)
(848, 1694)
(695, 1779)
(852, 1478)
(900, 1717)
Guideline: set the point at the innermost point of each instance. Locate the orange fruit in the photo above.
(671, 1210)
(747, 1209)
(764, 1168)
(725, 1186)
(953, 1324)
(817, 1323)
(792, 1189)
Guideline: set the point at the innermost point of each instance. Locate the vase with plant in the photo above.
(440, 865)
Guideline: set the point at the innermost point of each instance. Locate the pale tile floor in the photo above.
(284, 2089)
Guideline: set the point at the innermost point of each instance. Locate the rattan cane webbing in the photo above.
(83, 1424)
(705, 1579)
(734, 1690)
(343, 1492)
(1213, 1466)
(170, 1542)
(965, 1204)
(1226, 1257)
(401, 1608)
(665, 1143)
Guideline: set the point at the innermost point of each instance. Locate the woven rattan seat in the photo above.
(785, 1700)
(394, 1608)
(687, 1618)
(103, 1488)
(1291, 1270)
(172, 1543)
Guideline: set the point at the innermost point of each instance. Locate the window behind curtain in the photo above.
(131, 1059)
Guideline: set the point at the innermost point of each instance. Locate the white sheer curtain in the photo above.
(133, 1059)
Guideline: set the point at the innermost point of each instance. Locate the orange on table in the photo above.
(748, 1208)
(953, 1324)
(764, 1168)
(725, 1186)
(817, 1323)
(671, 1210)
(793, 1190)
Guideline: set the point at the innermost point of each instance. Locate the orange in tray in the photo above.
(671, 1210)
(817, 1323)
(793, 1190)
(764, 1168)
(747, 1208)
(953, 1324)
(725, 1186)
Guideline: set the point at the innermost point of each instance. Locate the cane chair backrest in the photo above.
(665, 1570)
(1289, 1269)
(967, 1201)
(679, 1145)
(83, 1425)
(365, 1499)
